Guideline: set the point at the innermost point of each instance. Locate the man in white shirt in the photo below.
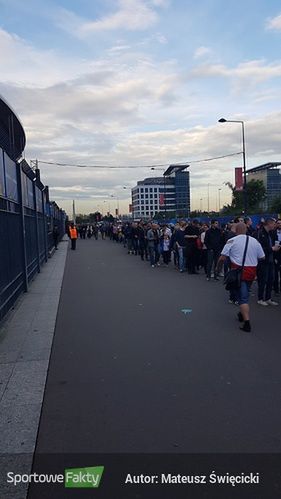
(234, 249)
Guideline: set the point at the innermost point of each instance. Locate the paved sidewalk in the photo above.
(25, 345)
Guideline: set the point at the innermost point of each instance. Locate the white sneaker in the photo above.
(271, 302)
(263, 303)
(153, 266)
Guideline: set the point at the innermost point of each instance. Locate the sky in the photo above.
(140, 83)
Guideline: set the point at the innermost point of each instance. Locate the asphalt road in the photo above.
(131, 372)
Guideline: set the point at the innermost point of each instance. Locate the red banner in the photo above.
(130, 208)
(238, 179)
(161, 200)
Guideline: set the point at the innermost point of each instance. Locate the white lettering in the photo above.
(169, 478)
(213, 477)
(147, 479)
(10, 477)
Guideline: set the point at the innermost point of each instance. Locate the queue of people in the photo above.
(193, 248)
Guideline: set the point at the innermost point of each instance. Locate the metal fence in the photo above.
(27, 219)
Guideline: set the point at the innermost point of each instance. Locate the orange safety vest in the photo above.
(73, 232)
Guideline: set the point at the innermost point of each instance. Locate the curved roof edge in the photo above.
(266, 166)
(12, 135)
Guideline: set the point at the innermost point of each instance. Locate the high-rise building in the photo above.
(270, 174)
(168, 195)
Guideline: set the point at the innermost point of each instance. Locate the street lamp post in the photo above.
(223, 120)
(125, 187)
(117, 203)
(219, 200)
(165, 205)
(201, 205)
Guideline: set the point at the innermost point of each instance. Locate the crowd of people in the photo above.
(193, 248)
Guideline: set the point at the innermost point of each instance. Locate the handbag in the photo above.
(233, 277)
(199, 244)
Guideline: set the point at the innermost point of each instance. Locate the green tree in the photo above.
(159, 215)
(95, 217)
(195, 214)
(256, 194)
(276, 205)
(107, 218)
(82, 219)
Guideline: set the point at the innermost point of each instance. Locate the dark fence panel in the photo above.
(42, 239)
(30, 242)
(27, 219)
(11, 265)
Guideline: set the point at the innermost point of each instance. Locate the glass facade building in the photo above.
(169, 195)
(270, 175)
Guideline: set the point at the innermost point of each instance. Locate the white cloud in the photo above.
(255, 71)
(22, 62)
(119, 48)
(129, 109)
(88, 185)
(131, 15)
(202, 52)
(161, 38)
(263, 143)
(274, 23)
(160, 3)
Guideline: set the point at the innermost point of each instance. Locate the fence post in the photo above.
(36, 225)
(22, 226)
(45, 225)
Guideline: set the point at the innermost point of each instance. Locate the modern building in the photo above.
(270, 174)
(168, 195)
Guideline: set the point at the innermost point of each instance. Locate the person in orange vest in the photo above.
(73, 234)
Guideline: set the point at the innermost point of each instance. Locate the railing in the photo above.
(27, 219)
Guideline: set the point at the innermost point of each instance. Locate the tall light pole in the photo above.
(126, 188)
(113, 196)
(208, 199)
(223, 120)
(219, 200)
(105, 202)
(201, 205)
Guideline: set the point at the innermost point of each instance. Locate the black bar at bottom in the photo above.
(153, 476)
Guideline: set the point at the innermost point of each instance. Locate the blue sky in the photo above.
(141, 82)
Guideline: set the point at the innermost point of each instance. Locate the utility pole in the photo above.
(73, 212)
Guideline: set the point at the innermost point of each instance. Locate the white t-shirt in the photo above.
(234, 249)
(202, 237)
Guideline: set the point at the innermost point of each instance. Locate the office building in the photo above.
(270, 174)
(168, 195)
